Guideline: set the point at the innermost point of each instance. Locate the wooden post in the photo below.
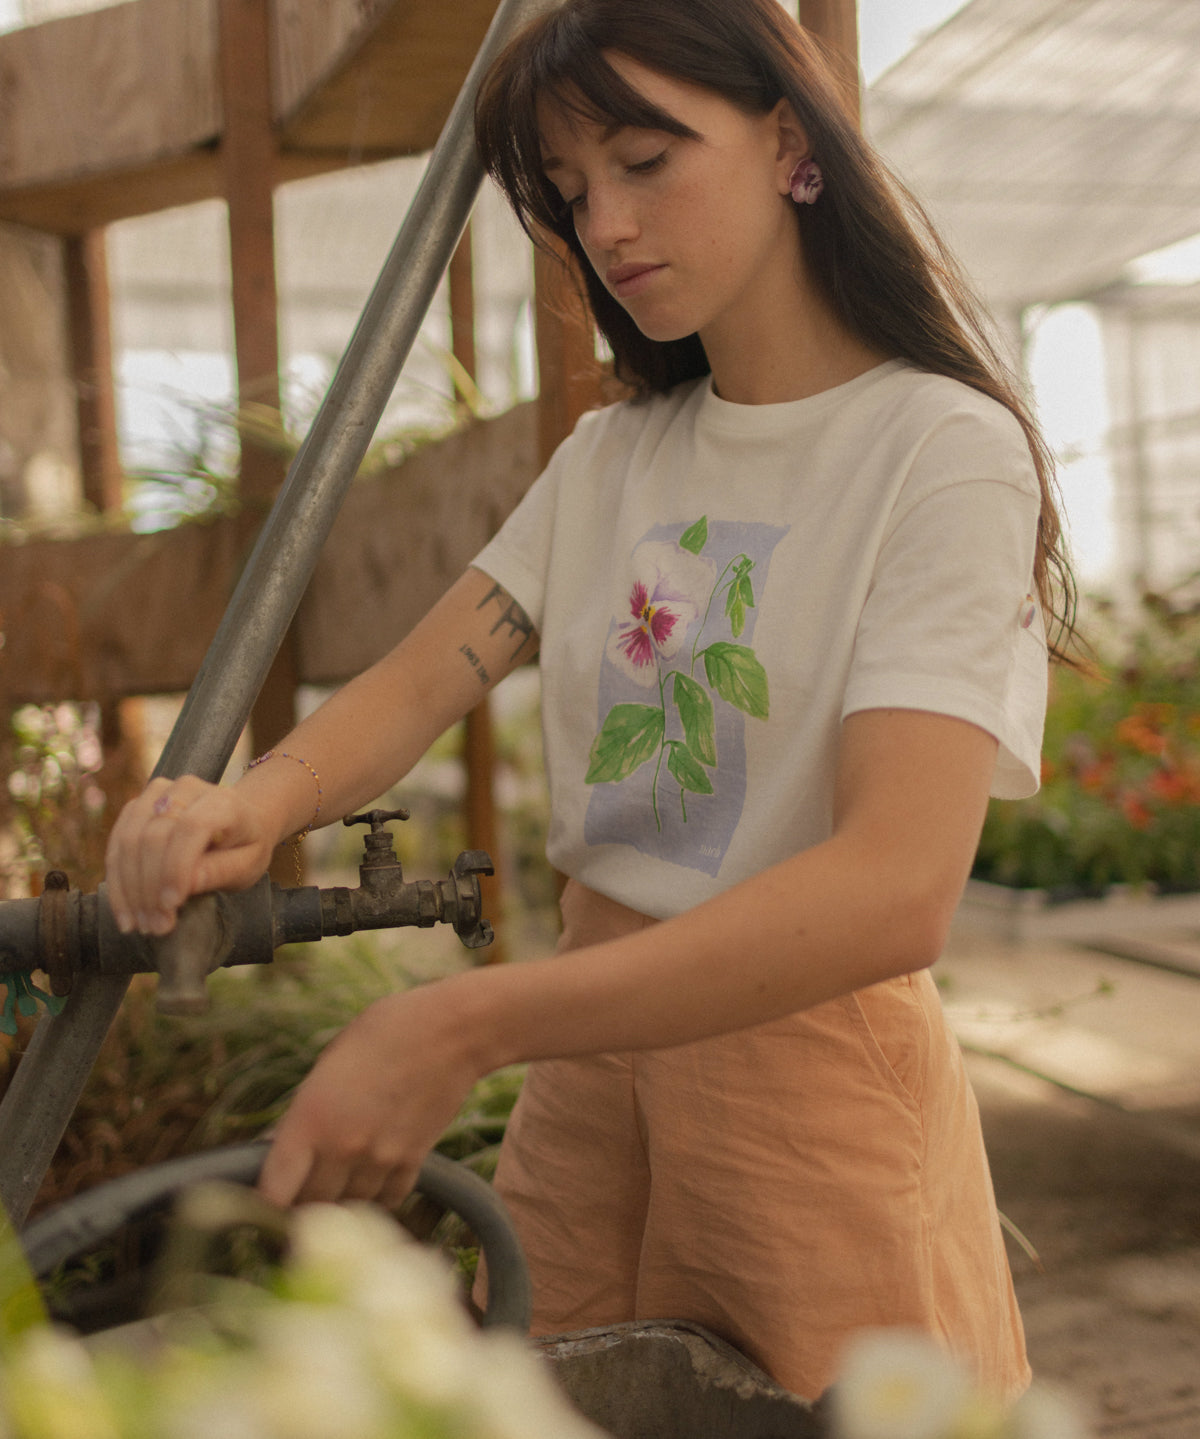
(249, 161)
(569, 375)
(835, 23)
(86, 271)
(123, 769)
(479, 745)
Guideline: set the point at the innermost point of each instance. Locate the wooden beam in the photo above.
(835, 24)
(569, 375)
(371, 78)
(90, 332)
(249, 161)
(249, 156)
(479, 750)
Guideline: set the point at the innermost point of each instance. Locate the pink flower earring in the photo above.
(806, 182)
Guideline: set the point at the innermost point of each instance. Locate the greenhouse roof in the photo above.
(1052, 141)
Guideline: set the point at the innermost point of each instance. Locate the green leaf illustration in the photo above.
(738, 599)
(696, 712)
(686, 768)
(629, 736)
(695, 537)
(736, 675)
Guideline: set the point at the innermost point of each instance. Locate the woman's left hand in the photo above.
(375, 1103)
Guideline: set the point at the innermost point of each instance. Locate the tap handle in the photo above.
(376, 818)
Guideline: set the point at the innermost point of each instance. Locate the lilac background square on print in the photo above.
(622, 812)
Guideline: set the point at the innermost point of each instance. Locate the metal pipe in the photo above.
(52, 1073)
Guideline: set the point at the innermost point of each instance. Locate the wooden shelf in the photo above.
(117, 112)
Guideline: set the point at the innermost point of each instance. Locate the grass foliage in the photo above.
(162, 1087)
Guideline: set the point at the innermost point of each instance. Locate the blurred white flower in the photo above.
(312, 1375)
(513, 1395)
(1043, 1413)
(51, 1389)
(898, 1384)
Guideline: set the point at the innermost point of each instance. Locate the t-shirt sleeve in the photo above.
(950, 624)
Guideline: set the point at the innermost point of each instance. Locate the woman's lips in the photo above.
(627, 280)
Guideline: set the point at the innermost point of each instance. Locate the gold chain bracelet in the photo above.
(307, 830)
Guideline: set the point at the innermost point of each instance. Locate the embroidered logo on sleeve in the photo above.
(679, 678)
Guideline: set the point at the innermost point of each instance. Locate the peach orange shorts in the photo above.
(783, 1185)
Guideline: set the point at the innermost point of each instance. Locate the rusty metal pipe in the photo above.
(50, 1077)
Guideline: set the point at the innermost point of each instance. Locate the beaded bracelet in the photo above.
(307, 830)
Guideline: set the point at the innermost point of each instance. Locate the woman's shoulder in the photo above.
(930, 398)
(946, 423)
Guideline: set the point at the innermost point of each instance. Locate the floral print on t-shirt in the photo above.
(678, 681)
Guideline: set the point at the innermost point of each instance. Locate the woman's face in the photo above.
(688, 234)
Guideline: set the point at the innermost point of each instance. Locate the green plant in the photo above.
(1120, 796)
(162, 1087)
(52, 805)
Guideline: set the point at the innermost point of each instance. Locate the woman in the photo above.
(788, 602)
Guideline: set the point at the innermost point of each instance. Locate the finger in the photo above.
(284, 1172)
(398, 1186)
(365, 1181)
(123, 857)
(166, 841)
(187, 831)
(328, 1179)
(192, 820)
(237, 867)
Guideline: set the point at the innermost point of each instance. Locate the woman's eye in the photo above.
(645, 167)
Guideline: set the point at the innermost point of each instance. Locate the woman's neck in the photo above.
(787, 345)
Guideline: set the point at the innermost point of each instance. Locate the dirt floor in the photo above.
(1111, 1203)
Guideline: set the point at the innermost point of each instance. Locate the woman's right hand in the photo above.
(179, 838)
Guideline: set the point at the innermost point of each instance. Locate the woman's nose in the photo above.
(606, 220)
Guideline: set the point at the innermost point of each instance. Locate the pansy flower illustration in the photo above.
(669, 589)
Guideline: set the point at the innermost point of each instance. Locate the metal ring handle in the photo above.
(75, 1226)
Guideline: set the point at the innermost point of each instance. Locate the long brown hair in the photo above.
(867, 242)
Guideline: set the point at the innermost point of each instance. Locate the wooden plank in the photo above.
(107, 90)
(835, 24)
(311, 43)
(115, 615)
(249, 159)
(371, 79)
(402, 539)
(90, 202)
(85, 268)
(93, 201)
(570, 378)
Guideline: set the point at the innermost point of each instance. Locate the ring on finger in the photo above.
(164, 803)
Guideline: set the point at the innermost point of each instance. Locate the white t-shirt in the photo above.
(716, 586)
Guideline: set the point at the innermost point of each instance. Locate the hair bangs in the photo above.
(567, 72)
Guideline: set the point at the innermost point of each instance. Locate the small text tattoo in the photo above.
(520, 626)
(476, 663)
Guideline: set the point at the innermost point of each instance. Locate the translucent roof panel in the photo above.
(1053, 141)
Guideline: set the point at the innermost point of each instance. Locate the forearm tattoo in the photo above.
(512, 617)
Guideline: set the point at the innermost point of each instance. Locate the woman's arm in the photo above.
(872, 902)
(185, 837)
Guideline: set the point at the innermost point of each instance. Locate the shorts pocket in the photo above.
(892, 1024)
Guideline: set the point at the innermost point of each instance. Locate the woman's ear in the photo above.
(792, 140)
